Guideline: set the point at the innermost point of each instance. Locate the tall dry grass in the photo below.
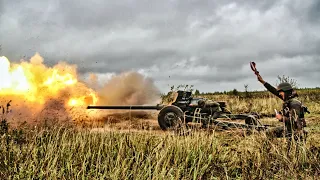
(68, 152)
(265, 103)
(61, 153)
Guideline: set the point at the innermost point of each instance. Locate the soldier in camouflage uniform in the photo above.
(292, 114)
(209, 107)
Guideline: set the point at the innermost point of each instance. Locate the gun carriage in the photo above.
(185, 109)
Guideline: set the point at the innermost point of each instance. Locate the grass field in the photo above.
(135, 148)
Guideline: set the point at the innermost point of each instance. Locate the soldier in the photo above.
(292, 114)
(210, 107)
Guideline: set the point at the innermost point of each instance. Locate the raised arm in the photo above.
(272, 89)
(269, 87)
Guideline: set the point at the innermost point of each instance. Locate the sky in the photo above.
(207, 44)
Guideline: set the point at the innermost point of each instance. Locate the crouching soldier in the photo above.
(209, 107)
(292, 113)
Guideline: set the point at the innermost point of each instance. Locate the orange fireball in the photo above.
(38, 83)
(39, 92)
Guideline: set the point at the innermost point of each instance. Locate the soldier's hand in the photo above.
(279, 117)
(260, 79)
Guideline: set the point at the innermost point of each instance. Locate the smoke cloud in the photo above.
(56, 94)
(129, 88)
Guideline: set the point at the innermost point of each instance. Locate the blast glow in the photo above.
(39, 92)
(38, 83)
(13, 80)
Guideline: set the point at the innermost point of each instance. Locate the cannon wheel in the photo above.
(170, 117)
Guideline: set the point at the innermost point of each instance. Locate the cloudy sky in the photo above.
(208, 44)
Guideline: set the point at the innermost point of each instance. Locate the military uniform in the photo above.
(209, 107)
(292, 114)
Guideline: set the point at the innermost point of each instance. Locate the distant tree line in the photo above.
(235, 92)
(246, 93)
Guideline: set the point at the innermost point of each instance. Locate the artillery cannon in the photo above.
(185, 108)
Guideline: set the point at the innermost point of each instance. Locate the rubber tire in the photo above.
(164, 125)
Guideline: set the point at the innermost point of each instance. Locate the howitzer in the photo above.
(185, 108)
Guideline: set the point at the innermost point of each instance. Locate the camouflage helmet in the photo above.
(284, 87)
(201, 103)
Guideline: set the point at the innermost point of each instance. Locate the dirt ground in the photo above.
(146, 122)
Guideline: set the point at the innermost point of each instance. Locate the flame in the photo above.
(41, 92)
(12, 79)
(36, 83)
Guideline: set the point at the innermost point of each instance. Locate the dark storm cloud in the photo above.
(212, 41)
(314, 12)
(1, 7)
(114, 64)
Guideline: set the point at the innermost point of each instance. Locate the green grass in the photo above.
(265, 102)
(68, 153)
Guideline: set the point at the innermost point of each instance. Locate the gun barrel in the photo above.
(132, 107)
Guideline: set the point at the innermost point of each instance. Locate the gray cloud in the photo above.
(215, 39)
(314, 12)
